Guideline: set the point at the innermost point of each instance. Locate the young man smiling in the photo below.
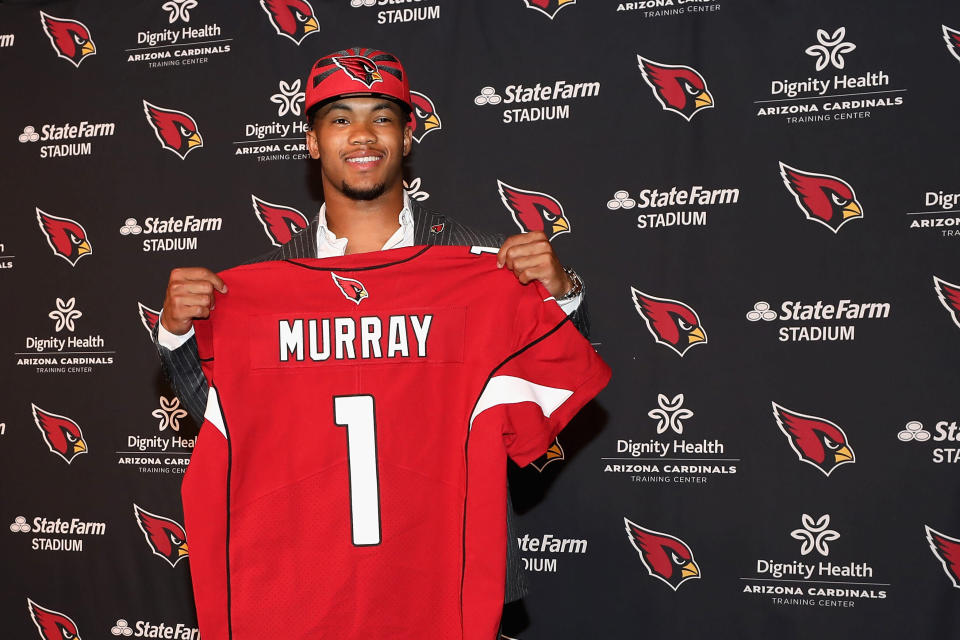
(359, 109)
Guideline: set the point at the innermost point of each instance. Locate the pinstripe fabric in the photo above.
(182, 365)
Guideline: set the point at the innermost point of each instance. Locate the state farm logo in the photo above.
(672, 323)
(549, 8)
(66, 238)
(51, 624)
(944, 441)
(52, 133)
(946, 549)
(394, 16)
(292, 19)
(822, 198)
(70, 39)
(667, 558)
(657, 460)
(181, 234)
(65, 353)
(280, 222)
(952, 38)
(936, 215)
(678, 206)
(808, 321)
(553, 98)
(841, 96)
(534, 210)
(165, 537)
(542, 554)
(665, 8)
(57, 534)
(812, 580)
(277, 139)
(185, 44)
(678, 88)
(819, 442)
(148, 629)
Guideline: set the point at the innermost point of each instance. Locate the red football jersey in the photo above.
(349, 480)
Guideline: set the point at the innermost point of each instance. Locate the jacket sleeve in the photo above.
(182, 368)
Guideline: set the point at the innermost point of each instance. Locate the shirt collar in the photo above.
(329, 245)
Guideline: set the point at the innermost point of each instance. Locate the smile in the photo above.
(363, 159)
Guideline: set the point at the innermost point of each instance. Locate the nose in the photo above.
(362, 133)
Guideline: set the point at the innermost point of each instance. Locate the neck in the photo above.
(366, 224)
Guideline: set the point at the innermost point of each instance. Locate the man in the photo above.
(359, 110)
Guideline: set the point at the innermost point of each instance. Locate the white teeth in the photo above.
(363, 159)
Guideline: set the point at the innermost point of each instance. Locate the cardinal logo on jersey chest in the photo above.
(350, 288)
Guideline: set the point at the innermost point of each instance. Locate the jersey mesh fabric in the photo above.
(432, 390)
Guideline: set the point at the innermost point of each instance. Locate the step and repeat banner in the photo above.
(763, 199)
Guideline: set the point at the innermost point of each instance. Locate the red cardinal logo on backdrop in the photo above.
(671, 322)
(952, 38)
(534, 210)
(677, 88)
(175, 130)
(350, 288)
(666, 558)
(67, 238)
(548, 8)
(148, 317)
(293, 19)
(816, 441)
(62, 435)
(947, 551)
(70, 38)
(553, 454)
(822, 198)
(949, 295)
(359, 68)
(166, 537)
(281, 223)
(425, 118)
(51, 624)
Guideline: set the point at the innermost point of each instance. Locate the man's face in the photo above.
(361, 143)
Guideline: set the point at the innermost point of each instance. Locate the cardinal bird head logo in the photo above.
(293, 19)
(553, 454)
(816, 441)
(350, 288)
(425, 118)
(166, 538)
(534, 210)
(822, 198)
(148, 317)
(359, 68)
(949, 295)
(947, 551)
(952, 38)
(67, 238)
(666, 558)
(176, 130)
(671, 322)
(51, 624)
(678, 88)
(548, 8)
(281, 223)
(62, 435)
(70, 38)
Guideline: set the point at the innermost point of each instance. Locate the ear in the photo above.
(407, 139)
(313, 146)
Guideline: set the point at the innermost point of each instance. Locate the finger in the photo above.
(198, 274)
(510, 242)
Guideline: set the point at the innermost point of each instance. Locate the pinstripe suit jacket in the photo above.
(182, 365)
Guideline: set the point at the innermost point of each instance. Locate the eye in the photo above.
(301, 16)
(837, 200)
(677, 560)
(683, 324)
(65, 633)
(74, 238)
(175, 540)
(186, 133)
(70, 436)
(830, 444)
(692, 90)
(420, 112)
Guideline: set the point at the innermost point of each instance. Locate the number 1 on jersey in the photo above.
(356, 413)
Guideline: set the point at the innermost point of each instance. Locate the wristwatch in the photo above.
(575, 290)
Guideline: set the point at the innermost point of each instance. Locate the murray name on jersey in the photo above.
(347, 338)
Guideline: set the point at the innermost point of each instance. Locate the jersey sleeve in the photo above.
(550, 374)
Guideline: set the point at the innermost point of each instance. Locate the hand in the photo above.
(530, 256)
(189, 295)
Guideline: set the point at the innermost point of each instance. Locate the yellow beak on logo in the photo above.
(310, 25)
(851, 211)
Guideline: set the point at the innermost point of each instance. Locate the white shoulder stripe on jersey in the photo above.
(512, 390)
(213, 414)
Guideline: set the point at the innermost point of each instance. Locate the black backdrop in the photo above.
(783, 548)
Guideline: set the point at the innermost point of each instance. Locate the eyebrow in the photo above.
(345, 107)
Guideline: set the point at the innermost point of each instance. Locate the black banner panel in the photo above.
(762, 199)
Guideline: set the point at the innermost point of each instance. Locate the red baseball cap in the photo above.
(356, 73)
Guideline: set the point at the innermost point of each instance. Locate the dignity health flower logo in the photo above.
(289, 98)
(669, 414)
(179, 9)
(815, 535)
(169, 413)
(830, 49)
(65, 314)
